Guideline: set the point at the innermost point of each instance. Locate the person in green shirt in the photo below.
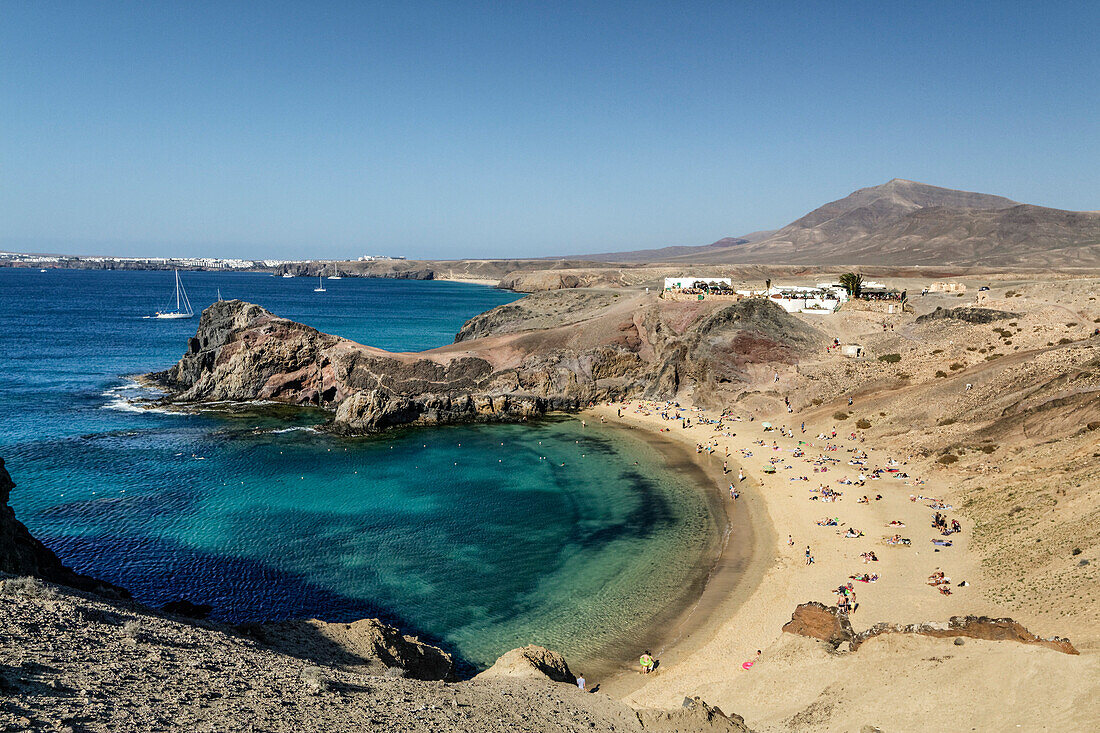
(647, 662)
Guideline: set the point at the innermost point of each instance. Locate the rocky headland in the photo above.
(555, 351)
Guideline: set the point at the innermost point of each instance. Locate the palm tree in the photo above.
(853, 283)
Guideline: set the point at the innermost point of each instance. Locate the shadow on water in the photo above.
(157, 571)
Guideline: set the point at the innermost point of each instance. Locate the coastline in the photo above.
(726, 571)
(706, 657)
(469, 280)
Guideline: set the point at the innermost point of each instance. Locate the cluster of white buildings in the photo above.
(208, 263)
(374, 258)
(822, 298)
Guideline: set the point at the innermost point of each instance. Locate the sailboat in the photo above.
(335, 274)
(183, 304)
(320, 285)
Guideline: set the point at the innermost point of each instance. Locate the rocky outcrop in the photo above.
(972, 627)
(23, 555)
(559, 353)
(694, 716)
(367, 646)
(828, 624)
(532, 662)
(818, 621)
(967, 314)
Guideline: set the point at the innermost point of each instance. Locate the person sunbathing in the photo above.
(863, 500)
(852, 533)
(896, 523)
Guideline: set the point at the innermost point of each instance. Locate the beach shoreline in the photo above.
(725, 572)
(717, 655)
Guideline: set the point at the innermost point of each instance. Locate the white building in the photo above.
(822, 299)
(687, 282)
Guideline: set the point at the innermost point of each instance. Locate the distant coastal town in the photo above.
(19, 259)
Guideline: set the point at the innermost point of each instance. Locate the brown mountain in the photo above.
(907, 223)
(668, 254)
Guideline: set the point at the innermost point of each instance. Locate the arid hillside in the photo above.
(907, 223)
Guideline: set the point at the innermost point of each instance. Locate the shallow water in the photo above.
(482, 538)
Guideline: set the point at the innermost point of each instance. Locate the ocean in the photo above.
(479, 538)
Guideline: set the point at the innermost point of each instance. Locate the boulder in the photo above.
(694, 716)
(366, 646)
(819, 621)
(530, 661)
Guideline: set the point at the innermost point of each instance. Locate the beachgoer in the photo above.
(580, 682)
(646, 661)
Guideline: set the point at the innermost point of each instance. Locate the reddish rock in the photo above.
(819, 621)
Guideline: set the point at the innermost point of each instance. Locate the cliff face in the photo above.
(21, 554)
(557, 352)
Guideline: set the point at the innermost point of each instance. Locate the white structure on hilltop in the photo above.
(689, 282)
(821, 299)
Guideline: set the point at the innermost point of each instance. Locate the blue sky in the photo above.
(520, 128)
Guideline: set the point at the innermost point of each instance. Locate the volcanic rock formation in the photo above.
(558, 352)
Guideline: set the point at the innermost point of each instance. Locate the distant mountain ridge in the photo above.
(903, 222)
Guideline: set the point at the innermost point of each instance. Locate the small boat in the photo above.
(287, 274)
(41, 270)
(320, 285)
(335, 274)
(183, 304)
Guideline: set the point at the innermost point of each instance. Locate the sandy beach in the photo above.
(740, 616)
(726, 571)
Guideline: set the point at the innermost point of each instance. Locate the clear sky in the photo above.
(520, 128)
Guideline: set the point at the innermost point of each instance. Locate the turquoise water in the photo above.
(481, 538)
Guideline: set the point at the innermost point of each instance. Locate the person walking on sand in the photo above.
(646, 661)
(776, 379)
(580, 682)
(740, 475)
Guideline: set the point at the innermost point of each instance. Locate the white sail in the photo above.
(183, 303)
(320, 285)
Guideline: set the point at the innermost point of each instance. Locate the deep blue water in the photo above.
(480, 537)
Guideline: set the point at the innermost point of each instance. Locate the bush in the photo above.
(993, 356)
(937, 351)
(941, 373)
(946, 421)
(27, 587)
(890, 358)
(132, 629)
(840, 416)
(863, 423)
(987, 449)
(815, 401)
(1065, 340)
(947, 459)
(956, 367)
